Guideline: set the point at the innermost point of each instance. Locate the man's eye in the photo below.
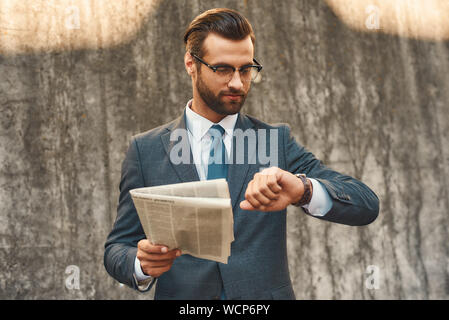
(224, 70)
(245, 71)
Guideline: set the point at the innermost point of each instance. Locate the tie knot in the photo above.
(215, 129)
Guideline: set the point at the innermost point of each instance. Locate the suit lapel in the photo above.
(185, 171)
(237, 172)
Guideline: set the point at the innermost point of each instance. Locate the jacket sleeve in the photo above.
(121, 244)
(353, 203)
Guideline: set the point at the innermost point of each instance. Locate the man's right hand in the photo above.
(155, 259)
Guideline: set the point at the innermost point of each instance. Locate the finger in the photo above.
(148, 247)
(249, 195)
(173, 254)
(157, 263)
(259, 185)
(273, 184)
(264, 187)
(157, 271)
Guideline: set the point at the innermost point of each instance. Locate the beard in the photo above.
(216, 103)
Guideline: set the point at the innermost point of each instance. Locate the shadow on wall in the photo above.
(39, 25)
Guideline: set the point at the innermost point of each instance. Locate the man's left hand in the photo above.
(272, 189)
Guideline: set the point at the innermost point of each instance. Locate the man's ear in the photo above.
(189, 63)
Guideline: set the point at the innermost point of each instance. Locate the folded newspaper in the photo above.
(195, 217)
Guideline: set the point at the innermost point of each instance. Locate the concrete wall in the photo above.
(370, 105)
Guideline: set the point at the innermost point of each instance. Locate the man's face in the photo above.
(223, 97)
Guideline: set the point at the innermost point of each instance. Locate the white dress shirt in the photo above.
(200, 142)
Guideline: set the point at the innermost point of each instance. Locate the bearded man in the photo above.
(220, 61)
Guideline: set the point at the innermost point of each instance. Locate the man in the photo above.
(220, 60)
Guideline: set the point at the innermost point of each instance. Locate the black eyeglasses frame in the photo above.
(215, 68)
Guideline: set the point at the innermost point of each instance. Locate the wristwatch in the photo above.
(308, 189)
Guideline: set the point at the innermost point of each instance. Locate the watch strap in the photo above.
(308, 189)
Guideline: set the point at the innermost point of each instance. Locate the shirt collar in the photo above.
(198, 125)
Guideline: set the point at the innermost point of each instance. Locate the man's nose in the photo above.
(235, 82)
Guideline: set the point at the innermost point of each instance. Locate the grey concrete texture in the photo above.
(370, 105)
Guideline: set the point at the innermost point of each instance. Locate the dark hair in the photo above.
(227, 23)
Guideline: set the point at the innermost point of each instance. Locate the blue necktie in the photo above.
(217, 167)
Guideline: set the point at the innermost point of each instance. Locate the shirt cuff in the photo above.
(321, 202)
(143, 281)
(140, 276)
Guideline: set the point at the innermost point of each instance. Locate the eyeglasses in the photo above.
(225, 72)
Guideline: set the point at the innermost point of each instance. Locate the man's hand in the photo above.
(155, 259)
(272, 189)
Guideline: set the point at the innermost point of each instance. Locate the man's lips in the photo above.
(232, 96)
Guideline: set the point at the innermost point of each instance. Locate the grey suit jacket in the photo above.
(257, 267)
